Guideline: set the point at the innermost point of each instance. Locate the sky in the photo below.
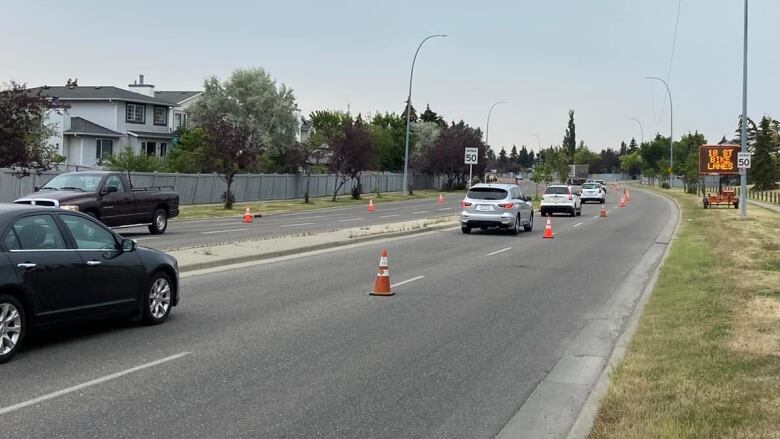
(542, 57)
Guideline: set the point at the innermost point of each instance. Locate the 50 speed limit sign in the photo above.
(743, 160)
(472, 156)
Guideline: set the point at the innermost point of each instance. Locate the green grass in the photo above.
(705, 360)
(265, 207)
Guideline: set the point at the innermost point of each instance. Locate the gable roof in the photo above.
(176, 97)
(96, 93)
(81, 126)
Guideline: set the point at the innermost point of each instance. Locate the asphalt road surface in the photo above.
(296, 349)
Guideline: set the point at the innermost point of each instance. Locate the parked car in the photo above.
(110, 198)
(496, 205)
(593, 192)
(561, 198)
(61, 266)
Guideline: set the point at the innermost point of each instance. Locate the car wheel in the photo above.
(530, 226)
(13, 326)
(158, 299)
(515, 230)
(579, 212)
(573, 211)
(159, 222)
(465, 229)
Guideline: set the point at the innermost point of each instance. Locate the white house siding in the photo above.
(122, 126)
(57, 122)
(99, 112)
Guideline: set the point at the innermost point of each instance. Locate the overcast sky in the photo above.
(544, 57)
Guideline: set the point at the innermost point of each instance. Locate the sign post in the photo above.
(471, 159)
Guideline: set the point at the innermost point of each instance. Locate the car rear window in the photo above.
(590, 186)
(487, 193)
(557, 190)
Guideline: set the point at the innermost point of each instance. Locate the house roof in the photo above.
(83, 127)
(96, 93)
(151, 134)
(176, 97)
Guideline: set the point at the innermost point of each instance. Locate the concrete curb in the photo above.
(565, 402)
(339, 243)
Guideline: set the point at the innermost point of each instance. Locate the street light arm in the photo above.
(487, 127)
(671, 124)
(641, 128)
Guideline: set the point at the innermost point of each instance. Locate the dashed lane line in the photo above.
(222, 231)
(499, 251)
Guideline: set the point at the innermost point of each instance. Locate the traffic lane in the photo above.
(306, 353)
(206, 232)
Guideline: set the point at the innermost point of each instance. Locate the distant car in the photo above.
(518, 177)
(602, 183)
(496, 205)
(593, 192)
(561, 198)
(61, 266)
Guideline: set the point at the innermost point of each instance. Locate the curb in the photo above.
(322, 246)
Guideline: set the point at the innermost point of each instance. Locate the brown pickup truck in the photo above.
(109, 197)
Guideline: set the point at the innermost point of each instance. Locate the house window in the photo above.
(163, 149)
(179, 121)
(104, 148)
(150, 148)
(161, 116)
(136, 113)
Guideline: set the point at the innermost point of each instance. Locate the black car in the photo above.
(61, 266)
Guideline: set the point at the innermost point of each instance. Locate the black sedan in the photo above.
(59, 266)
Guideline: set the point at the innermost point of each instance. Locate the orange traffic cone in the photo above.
(548, 233)
(371, 207)
(248, 217)
(628, 196)
(603, 212)
(382, 283)
(441, 199)
(622, 202)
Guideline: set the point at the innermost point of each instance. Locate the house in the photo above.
(182, 101)
(98, 121)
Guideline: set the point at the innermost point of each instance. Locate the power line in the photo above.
(671, 58)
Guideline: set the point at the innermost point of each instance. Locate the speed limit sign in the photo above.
(743, 160)
(472, 156)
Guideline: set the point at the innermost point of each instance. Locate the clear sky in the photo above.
(544, 57)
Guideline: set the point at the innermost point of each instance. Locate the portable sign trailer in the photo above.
(719, 160)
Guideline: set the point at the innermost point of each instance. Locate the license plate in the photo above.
(484, 208)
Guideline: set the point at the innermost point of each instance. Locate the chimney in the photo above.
(138, 86)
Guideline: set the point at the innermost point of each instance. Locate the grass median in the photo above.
(200, 211)
(705, 360)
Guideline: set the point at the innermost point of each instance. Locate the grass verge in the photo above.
(705, 360)
(265, 207)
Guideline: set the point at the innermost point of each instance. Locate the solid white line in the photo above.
(499, 251)
(78, 387)
(389, 216)
(221, 231)
(297, 225)
(445, 208)
(578, 224)
(406, 281)
(420, 211)
(350, 219)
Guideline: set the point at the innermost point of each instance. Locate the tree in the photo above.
(243, 117)
(189, 155)
(351, 154)
(752, 131)
(631, 164)
(542, 173)
(570, 139)
(306, 155)
(525, 160)
(503, 160)
(413, 116)
(424, 138)
(446, 157)
(514, 158)
(388, 133)
(631, 146)
(128, 161)
(23, 133)
(686, 160)
(431, 116)
(764, 163)
(584, 156)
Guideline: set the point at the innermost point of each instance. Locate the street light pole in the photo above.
(743, 177)
(671, 129)
(641, 128)
(408, 110)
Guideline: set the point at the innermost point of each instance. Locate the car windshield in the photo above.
(590, 186)
(487, 193)
(557, 190)
(74, 182)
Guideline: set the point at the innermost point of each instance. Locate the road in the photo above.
(296, 349)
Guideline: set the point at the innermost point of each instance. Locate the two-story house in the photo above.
(102, 120)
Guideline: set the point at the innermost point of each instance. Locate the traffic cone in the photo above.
(603, 213)
(371, 207)
(628, 196)
(441, 199)
(622, 202)
(382, 282)
(548, 233)
(248, 217)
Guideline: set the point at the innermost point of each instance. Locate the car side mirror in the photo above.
(128, 245)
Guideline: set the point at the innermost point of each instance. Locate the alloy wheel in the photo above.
(10, 327)
(160, 298)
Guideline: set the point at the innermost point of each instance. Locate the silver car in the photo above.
(496, 205)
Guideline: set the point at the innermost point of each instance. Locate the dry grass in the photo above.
(705, 361)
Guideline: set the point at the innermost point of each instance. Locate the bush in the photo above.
(665, 185)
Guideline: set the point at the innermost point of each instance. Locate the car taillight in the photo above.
(506, 205)
(465, 203)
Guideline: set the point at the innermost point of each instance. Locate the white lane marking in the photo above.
(499, 251)
(596, 217)
(389, 216)
(420, 211)
(78, 387)
(350, 219)
(144, 239)
(297, 225)
(404, 282)
(578, 224)
(222, 231)
(445, 208)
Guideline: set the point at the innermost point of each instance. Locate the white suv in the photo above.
(593, 192)
(496, 205)
(561, 198)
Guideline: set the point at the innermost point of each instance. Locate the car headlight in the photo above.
(70, 207)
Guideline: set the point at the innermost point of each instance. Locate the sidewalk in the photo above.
(772, 207)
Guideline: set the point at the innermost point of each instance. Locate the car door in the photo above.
(49, 271)
(117, 202)
(525, 206)
(111, 275)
